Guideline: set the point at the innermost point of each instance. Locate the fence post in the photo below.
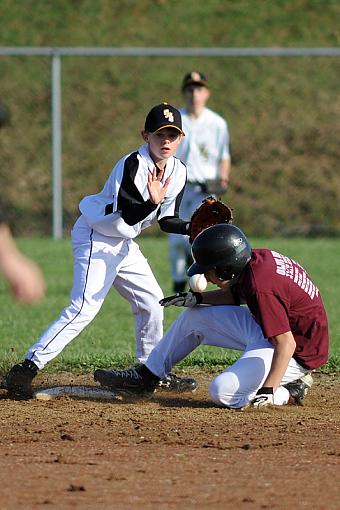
(56, 147)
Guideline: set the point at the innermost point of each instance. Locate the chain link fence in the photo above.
(282, 112)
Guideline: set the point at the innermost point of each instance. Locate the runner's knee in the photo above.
(224, 391)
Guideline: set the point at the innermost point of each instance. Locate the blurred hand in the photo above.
(25, 280)
(23, 276)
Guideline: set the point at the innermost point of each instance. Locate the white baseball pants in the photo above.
(231, 327)
(101, 262)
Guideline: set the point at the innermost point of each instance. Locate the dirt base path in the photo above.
(172, 452)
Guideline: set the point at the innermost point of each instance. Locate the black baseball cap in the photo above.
(162, 116)
(194, 78)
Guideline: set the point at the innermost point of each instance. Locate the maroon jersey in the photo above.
(282, 297)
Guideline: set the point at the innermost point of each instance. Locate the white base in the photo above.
(80, 392)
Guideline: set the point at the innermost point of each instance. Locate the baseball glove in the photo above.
(211, 212)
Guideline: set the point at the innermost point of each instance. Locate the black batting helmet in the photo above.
(222, 247)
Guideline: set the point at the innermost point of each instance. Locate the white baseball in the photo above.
(198, 282)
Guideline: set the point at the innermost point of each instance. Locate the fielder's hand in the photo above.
(188, 299)
(156, 189)
(264, 397)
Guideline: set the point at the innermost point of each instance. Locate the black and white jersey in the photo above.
(123, 208)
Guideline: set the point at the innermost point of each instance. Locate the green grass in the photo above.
(109, 339)
(169, 23)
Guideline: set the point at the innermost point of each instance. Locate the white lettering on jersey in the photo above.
(291, 269)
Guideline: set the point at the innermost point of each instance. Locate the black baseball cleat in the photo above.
(180, 384)
(19, 380)
(298, 389)
(134, 381)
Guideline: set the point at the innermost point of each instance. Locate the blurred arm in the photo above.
(23, 276)
(224, 172)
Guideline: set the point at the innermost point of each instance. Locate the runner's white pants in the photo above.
(101, 262)
(231, 327)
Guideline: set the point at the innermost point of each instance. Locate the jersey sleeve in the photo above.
(168, 214)
(120, 208)
(223, 140)
(168, 218)
(130, 201)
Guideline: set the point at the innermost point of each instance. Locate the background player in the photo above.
(205, 151)
(282, 332)
(144, 185)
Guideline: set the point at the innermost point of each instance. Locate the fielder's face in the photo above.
(163, 143)
(195, 97)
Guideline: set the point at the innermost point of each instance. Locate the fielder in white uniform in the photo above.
(144, 185)
(205, 151)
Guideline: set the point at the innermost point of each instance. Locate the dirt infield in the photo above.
(172, 452)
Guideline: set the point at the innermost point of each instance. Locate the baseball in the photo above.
(198, 282)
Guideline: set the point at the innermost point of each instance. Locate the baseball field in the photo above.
(173, 451)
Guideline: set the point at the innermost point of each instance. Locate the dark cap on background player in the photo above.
(163, 116)
(194, 78)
